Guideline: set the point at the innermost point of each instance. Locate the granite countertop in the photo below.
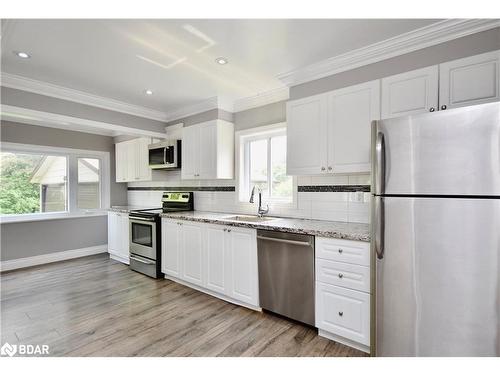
(332, 229)
(127, 209)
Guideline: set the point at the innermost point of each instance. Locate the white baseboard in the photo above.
(118, 257)
(14, 264)
(343, 340)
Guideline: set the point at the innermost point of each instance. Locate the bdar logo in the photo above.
(8, 349)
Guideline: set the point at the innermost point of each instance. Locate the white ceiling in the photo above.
(119, 59)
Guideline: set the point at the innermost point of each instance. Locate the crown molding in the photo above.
(268, 97)
(55, 91)
(427, 36)
(54, 120)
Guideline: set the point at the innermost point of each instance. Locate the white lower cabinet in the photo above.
(118, 236)
(217, 258)
(343, 292)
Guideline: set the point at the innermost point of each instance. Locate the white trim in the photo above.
(54, 120)
(427, 36)
(118, 257)
(194, 109)
(264, 98)
(60, 92)
(36, 260)
(26, 218)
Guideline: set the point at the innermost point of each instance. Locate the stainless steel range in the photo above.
(145, 232)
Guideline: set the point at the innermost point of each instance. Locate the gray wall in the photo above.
(44, 103)
(212, 114)
(19, 240)
(265, 115)
(467, 46)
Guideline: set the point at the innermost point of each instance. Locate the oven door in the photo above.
(143, 238)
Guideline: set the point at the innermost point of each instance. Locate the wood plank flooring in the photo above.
(95, 306)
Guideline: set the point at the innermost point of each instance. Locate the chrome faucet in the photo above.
(261, 212)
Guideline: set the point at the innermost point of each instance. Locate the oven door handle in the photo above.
(139, 219)
(141, 260)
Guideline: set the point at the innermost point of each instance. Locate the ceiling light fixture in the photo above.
(22, 55)
(221, 60)
(149, 92)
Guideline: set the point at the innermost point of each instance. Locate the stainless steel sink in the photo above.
(249, 218)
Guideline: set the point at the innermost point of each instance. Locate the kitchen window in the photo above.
(38, 182)
(263, 164)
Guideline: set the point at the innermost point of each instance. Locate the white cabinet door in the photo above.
(307, 135)
(343, 312)
(243, 280)
(190, 152)
(469, 81)
(192, 252)
(350, 113)
(112, 232)
(410, 93)
(121, 162)
(171, 247)
(143, 172)
(207, 151)
(123, 250)
(216, 258)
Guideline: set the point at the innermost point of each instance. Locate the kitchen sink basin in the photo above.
(249, 218)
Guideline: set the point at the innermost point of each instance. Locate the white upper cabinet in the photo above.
(307, 135)
(208, 151)
(132, 160)
(469, 81)
(330, 133)
(410, 93)
(350, 113)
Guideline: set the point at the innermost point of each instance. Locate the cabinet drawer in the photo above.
(343, 274)
(343, 312)
(355, 252)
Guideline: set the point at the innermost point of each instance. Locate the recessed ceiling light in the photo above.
(149, 92)
(22, 55)
(221, 60)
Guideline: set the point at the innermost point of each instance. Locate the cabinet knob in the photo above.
(432, 109)
(330, 168)
(443, 107)
(323, 168)
(341, 313)
(225, 230)
(229, 230)
(341, 251)
(341, 275)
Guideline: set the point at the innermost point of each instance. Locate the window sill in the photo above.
(54, 216)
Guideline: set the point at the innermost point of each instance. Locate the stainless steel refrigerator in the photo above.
(436, 233)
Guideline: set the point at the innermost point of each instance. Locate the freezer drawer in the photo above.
(437, 281)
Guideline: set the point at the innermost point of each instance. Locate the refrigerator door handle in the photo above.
(379, 227)
(379, 164)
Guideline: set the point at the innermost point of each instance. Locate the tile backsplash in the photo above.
(324, 202)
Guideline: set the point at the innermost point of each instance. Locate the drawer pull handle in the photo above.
(341, 251)
(341, 313)
(341, 275)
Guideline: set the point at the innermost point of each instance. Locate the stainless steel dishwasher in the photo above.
(286, 274)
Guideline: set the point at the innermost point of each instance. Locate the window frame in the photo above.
(242, 142)
(72, 156)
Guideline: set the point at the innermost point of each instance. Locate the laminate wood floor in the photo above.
(95, 306)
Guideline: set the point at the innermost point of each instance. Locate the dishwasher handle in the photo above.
(290, 242)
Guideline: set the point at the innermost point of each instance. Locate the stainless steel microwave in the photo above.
(165, 155)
